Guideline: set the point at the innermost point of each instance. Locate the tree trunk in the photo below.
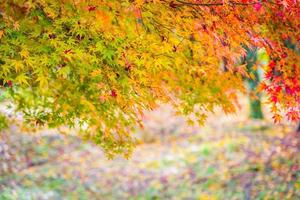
(298, 128)
(255, 109)
(255, 97)
(253, 83)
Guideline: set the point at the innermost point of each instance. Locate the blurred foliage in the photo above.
(3, 95)
(3, 122)
(252, 159)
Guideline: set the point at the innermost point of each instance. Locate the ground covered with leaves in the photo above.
(229, 158)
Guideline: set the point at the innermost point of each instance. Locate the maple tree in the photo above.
(98, 64)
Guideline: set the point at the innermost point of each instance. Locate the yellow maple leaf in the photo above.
(24, 53)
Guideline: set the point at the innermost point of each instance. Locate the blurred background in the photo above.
(237, 156)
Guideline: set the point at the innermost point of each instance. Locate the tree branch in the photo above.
(232, 3)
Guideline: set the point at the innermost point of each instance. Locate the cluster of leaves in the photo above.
(99, 64)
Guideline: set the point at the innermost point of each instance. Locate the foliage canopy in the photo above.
(98, 64)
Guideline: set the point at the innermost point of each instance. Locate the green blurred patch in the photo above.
(3, 122)
(3, 95)
(254, 127)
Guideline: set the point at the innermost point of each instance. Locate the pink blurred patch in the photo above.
(257, 6)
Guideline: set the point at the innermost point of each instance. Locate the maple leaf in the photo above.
(284, 3)
(113, 93)
(277, 118)
(9, 83)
